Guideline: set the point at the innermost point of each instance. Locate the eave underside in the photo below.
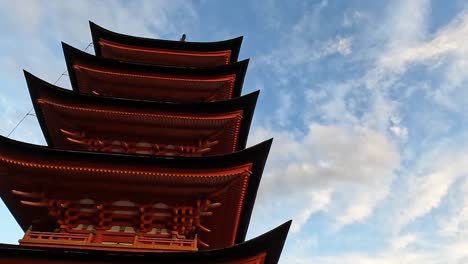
(96, 75)
(59, 184)
(126, 84)
(156, 130)
(158, 56)
(202, 128)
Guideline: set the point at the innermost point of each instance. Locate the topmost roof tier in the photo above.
(133, 49)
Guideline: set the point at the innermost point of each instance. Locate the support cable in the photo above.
(29, 113)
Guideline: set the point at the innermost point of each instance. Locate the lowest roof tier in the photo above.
(264, 249)
(51, 188)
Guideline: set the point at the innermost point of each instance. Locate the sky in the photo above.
(366, 101)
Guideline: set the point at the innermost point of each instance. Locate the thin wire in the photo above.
(32, 108)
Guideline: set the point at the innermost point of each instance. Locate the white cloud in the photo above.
(303, 52)
(322, 156)
(379, 94)
(339, 45)
(374, 102)
(318, 201)
(362, 202)
(455, 223)
(352, 18)
(401, 242)
(352, 161)
(406, 23)
(445, 51)
(299, 45)
(447, 41)
(325, 160)
(426, 188)
(397, 252)
(399, 131)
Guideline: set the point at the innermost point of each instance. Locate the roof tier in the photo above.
(232, 180)
(96, 75)
(144, 127)
(127, 48)
(264, 249)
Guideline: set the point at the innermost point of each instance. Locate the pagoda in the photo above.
(146, 159)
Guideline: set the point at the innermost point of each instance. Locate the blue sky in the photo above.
(366, 101)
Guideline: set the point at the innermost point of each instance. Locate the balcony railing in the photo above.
(51, 237)
(107, 240)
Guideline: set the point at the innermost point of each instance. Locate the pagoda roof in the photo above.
(163, 52)
(213, 128)
(64, 174)
(98, 75)
(264, 249)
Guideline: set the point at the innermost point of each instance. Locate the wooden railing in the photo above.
(50, 237)
(166, 242)
(96, 241)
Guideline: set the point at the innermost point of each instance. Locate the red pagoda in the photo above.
(146, 159)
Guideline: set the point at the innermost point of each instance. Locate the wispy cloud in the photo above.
(321, 161)
(376, 99)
